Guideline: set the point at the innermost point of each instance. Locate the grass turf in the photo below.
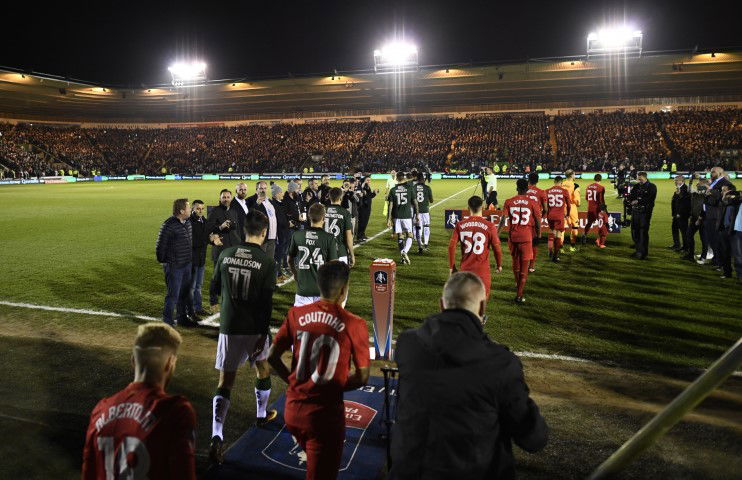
(92, 246)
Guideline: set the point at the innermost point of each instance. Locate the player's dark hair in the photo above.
(325, 176)
(475, 203)
(331, 277)
(316, 213)
(642, 174)
(558, 179)
(533, 178)
(197, 201)
(335, 194)
(521, 185)
(598, 177)
(178, 205)
(255, 223)
(421, 177)
(400, 176)
(224, 190)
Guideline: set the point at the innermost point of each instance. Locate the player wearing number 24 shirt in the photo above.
(142, 432)
(477, 235)
(524, 219)
(326, 339)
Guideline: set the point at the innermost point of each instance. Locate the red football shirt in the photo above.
(477, 235)
(324, 337)
(523, 215)
(141, 432)
(595, 195)
(538, 196)
(558, 200)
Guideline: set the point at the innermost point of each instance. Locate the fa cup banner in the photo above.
(452, 217)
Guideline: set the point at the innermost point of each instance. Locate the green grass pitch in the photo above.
(91, 246)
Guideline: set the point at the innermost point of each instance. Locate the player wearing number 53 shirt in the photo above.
(326, 339)
(524, 220)
(477, 236)
(142, 432)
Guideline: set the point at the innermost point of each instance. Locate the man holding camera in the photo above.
(642, 199)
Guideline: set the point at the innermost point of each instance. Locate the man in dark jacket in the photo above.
(239, 204)
(730, 205)
(642, 199)
(261, 202)
(173, 250)
(224, 222)
(364, 208)
(712, 210)
(464, 399)
(695, 223)
(201, 239)
(287, 215)
(680, 209)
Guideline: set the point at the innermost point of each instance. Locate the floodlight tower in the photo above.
(396, 57)
(188, 73)
(621, 40)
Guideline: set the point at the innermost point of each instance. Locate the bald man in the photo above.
(458, 381)
(142, 432)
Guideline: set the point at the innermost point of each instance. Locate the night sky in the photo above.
(129, 44)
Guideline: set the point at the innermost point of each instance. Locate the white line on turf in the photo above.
(78, 310)
(212, 320)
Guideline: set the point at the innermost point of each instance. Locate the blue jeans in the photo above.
(737, 253)
(178, 282)
(197, 281)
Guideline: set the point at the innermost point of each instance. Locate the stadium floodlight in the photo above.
(188, 73)
(395, 57)
(621, 40)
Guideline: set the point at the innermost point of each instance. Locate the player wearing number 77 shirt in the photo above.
(326, 339)
(524, 220)
(141, 432)
(477, 235)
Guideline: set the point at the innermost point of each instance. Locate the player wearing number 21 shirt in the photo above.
(326, 339)
(142, 432)
(477, 235)
(595, 196)
(524, 219)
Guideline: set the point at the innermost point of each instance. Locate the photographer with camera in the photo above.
(642, 199)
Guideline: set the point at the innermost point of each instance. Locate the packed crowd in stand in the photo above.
(599, 141)
(692, 140)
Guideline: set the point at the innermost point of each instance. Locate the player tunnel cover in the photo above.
(285, 451)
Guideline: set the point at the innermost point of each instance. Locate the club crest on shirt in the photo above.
(452, 217)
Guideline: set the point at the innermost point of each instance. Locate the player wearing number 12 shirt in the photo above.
(142, 432)
(477, 235)
(326, 339)
(524, 220)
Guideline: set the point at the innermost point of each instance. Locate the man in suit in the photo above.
(680, 209)
(239, 204)
(262, 203)
(224, 223)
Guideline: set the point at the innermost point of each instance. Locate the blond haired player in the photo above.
(573, 219)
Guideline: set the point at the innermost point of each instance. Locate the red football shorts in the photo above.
(486, 276)
(556, 224)
(592, 216)
(521, 250)
(323, 445)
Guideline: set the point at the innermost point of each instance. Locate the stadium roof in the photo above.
(538, 83)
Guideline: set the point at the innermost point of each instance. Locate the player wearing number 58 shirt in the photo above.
(142, 432)
(326, 339)
(524, 220)
(477, 235)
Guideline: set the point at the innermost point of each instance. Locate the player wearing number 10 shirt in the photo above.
(477, 235)
(524, 220)
(326, 339)
(142, 432)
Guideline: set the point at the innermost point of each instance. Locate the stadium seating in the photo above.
(584, 142)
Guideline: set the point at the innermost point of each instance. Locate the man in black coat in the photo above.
(712, 210)
(201, 239)
(261, 202)
(680, 209)
(224, 222)
(364, 208)
(463, 398)
(240, 204)
(642, 199)
(173, 251)
(287, 216)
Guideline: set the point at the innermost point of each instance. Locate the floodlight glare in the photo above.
(187, 73)
(615, 40)
(395, 57)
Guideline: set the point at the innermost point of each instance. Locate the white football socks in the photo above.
(220, 406)
(407, 245)
(261, 401)
(426, 234)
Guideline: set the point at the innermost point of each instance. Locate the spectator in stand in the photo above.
(464, 398)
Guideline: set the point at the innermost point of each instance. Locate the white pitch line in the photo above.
(78, 310)
(212, 320)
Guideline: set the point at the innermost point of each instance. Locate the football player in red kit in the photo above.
(538, 196)
(524, 219)
(603, 229)
(595, 196)
(142, 432)
(326, 338)
(557, 203)
(477, 235)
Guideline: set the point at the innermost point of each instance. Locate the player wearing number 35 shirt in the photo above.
(326, 339)
(142, 432)
(524, 219)
(477, 236)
